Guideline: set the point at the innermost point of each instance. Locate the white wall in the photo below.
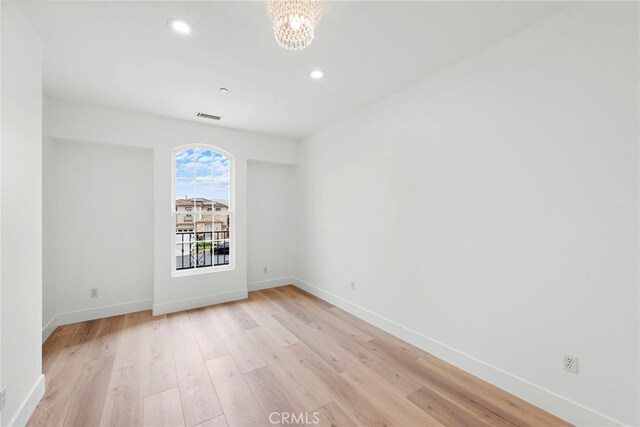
(82, 123)
(49, 309)
(103, 212)
(492, 211)
(21, 194)
(271, 219)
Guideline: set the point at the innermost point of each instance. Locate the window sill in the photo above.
(202, 270)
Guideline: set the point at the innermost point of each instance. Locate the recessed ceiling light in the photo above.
(224, 90)
(179, 26)
(316, 74)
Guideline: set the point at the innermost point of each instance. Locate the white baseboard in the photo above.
(29, 404)
(549, 401)
(93, 313)
(102, 312)
(187, 304)
(163, 308)
(48, 329)
(273, 283)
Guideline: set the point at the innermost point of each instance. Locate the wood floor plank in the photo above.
(90, 391)
(53, 346)
(179, 323)
(325, 347)
(159, 367)
(87, 331)
(124, 400)
(497, 400)
(209, 340)
(61, 378)
(68, 330)
(379, 334)
(199, 399)
(225, 316)
(474, 402)
(239, 404)
(447, 411)
(403, 411)
(343, 327)
(358, 408)
(219, 421)
(305, 391)
(272, 395)
(402, 383)
(240, 315)
(278, 333)
(290, 307)
(163, 409)
(320, 311)
(65, 376)
(260, 301)
(131, 341)
(302, 293)
(106, 341)
(331, 415)
(240, 348)
(263, 344)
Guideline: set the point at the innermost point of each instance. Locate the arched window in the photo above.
(202, 209)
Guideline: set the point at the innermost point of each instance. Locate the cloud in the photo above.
(202, 173)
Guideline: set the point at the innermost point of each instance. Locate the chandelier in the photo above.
(294, 21)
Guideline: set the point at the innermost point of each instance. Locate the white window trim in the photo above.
(232, 231)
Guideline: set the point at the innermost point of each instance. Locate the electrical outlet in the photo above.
(264, 270)
(353, 286)
(94, 293)
(571, 363)
(3, 398)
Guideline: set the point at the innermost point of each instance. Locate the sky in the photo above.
(202, 173)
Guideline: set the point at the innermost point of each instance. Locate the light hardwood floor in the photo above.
(280, 351)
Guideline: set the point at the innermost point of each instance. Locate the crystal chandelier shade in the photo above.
(294, 21)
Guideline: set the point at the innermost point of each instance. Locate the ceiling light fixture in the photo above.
(179, 26)
(316, 74)
(223, 90)
(294, 21)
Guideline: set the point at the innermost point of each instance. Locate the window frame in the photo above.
(230, 213)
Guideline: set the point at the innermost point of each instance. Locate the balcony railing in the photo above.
(202, 249)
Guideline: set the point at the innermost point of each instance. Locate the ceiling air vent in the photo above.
(208, 116)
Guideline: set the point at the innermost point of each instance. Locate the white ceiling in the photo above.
(122, 54)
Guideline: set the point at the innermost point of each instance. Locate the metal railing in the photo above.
(201, 249)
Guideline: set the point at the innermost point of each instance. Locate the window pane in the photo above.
(204, 254)
(221, 251)
(204, 226)
(221, 177)
(203, 172)
(202, 164)
(184, 189)
(191, 162)
(221, 226)
(183, 246)
(184, 216)
(221, 166)
(183, 164)
(221, 236)
(203, 192)
(203, 248)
